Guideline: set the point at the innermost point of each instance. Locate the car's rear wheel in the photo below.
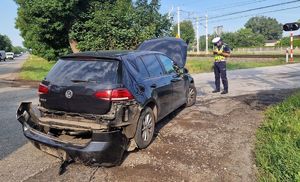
(145, 128)
(191, 96)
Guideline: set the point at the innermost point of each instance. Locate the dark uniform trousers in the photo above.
(220, 72)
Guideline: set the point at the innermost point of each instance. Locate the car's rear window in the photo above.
(100, 71)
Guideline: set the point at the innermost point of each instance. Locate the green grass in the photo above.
(202, 65)
(35, 68)
(278, 142)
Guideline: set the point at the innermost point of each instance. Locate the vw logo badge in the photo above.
(69, 94)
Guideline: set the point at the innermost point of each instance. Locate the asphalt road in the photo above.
(10, 68)
(20, 161)
(251, 81)
(10, 97)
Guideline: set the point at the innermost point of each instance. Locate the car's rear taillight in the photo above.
(43, 89)
(121, 94)
(114, 95)
(103, 94)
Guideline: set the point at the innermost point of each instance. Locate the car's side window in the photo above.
(141, 68)
(152, 65)
(167, 63)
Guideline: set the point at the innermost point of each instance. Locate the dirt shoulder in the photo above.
(211, 141)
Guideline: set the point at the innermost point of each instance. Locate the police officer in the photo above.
(220, 53)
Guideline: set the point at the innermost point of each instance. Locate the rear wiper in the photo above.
(82, 81)
(78, 81)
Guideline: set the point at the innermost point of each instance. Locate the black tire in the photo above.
(191, 96)
(145, 128)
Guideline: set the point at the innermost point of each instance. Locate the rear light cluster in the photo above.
(114, 95)
(43, 89)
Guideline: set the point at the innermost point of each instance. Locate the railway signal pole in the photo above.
(290, 27)
(292, 48)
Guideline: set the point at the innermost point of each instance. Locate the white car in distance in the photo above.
(9, 55)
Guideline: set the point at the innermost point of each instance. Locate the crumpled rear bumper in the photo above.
(104, 148)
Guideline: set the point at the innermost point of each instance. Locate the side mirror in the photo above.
(291, 26)
(185, 71)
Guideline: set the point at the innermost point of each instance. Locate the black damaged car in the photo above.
(95, 105)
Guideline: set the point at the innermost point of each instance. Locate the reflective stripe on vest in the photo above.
(219, 57)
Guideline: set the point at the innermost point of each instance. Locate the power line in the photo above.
(272, 11)
(237, 5)
(253, 9)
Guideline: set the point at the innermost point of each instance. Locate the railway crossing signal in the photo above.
(290, 27)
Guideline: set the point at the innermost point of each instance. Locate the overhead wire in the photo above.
(227, 6)
(236, 5)
(271, 11)
(253, 9)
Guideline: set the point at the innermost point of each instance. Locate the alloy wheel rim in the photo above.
(191, 95)
(147, 127)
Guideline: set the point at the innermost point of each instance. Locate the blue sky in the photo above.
(191, 8)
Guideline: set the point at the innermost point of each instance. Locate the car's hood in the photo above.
(172, 47)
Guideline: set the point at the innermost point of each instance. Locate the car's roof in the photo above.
(107, 54)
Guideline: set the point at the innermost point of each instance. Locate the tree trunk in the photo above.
(73, 44)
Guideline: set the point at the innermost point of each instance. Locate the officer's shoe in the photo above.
(224, 92)
(215, 91)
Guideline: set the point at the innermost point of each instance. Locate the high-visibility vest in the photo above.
(217, 56)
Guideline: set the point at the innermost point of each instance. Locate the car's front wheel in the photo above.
(191, 96)
(145, 128)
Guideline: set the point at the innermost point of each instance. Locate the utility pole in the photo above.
(197, 34)
(178, 22)
(170, 13)
(219, 30)
(206, 32)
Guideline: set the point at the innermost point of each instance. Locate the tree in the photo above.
(50, 27)
(270, 28)
(246, 38)
(286, 42)
(241, 38)
(187, 32)
(5, 43)
(202, 42)
(230, 38)
(124, 26)
(18, 49)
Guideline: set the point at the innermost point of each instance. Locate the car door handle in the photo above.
(153, 85)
